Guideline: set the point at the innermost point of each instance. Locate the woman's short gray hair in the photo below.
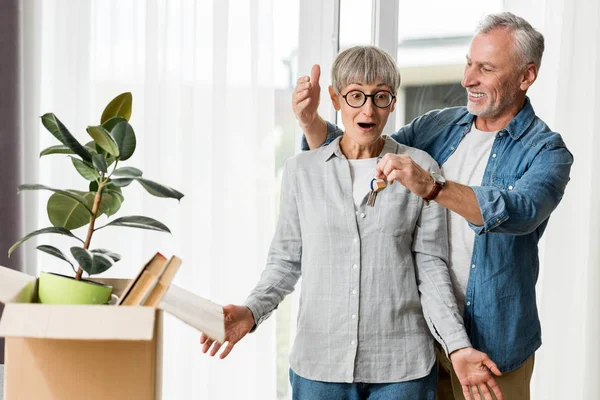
(364, 64)
(529, 42)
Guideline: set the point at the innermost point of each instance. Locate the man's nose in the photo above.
(469, 77)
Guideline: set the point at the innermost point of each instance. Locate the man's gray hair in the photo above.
(364, 64)
(529, 42)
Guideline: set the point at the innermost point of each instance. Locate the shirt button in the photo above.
(473, 266)
(362, 215)
(353, 342)
(498, 220)
(353, 316)
(500, 133)
(355, 240)
(510, 187)
(354, 291)
(452, 148)
(468, 303)
(355, 266)
(494, 155)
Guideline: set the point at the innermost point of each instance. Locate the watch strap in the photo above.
(434, 192)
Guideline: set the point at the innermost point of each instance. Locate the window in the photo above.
(431, 52)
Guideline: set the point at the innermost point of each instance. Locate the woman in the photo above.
(372, 298)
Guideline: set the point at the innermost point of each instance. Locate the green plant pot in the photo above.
(61, 289)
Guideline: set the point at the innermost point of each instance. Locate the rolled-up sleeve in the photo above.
(283, 267)
(522, 208)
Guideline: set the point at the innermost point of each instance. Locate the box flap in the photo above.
(93, 322)
(16, 287)
(195, 311)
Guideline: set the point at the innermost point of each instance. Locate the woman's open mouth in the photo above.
(365, 126)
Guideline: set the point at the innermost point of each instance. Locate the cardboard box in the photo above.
(90, 352)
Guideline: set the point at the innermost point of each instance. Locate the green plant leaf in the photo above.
(100, 163)
(83, 257)
(109, 160)
(158, 190)
(125, 138)
(115, 202)
(51, 229)
(67, 193)
(119, 106)
(105, 203)
(111, 123)
(93, 148)
(121, 182)
(85, 169)
(92, 262)
(56, 253)
(103, 140)
(58, 149)
(138, 221)
(65, 212)
(109, 186)
(129, 172)
(59, 131)
(115, 257)
(100, 263)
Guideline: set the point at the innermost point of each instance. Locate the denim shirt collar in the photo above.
(516, 127)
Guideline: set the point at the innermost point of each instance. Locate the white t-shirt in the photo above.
(465, 166)
(362, 171)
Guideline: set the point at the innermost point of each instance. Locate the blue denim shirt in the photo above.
(525, 178)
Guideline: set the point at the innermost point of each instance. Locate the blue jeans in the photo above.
(417, 389)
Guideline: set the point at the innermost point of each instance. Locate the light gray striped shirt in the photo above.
(372, 280)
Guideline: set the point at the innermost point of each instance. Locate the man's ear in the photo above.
(335, 100)
(529, 76)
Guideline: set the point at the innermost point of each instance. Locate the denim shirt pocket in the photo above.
(396, 209)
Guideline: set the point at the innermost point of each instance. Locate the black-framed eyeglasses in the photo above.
(357, 98)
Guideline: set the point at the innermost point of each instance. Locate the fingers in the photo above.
(492, 367)
(384, 167)
(227, 350)
(467, 393)
(215, 348)
(495, 388)
(301, 93)
(484, 392)
(302, 79)
(207, 343)
(203, 338)
(315, 74)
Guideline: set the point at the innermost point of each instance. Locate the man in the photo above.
(505, 172)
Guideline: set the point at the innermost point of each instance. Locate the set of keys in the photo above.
(377, 185)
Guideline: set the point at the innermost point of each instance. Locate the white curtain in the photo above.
(567, 97)
(203, 112)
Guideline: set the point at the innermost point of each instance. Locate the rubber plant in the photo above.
(99, 163)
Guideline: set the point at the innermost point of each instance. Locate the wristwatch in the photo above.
(438, 183)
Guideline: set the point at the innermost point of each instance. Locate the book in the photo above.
(152, 282)
(152, 287)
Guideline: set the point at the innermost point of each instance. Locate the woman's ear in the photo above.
(393, 105)
(335, 100)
